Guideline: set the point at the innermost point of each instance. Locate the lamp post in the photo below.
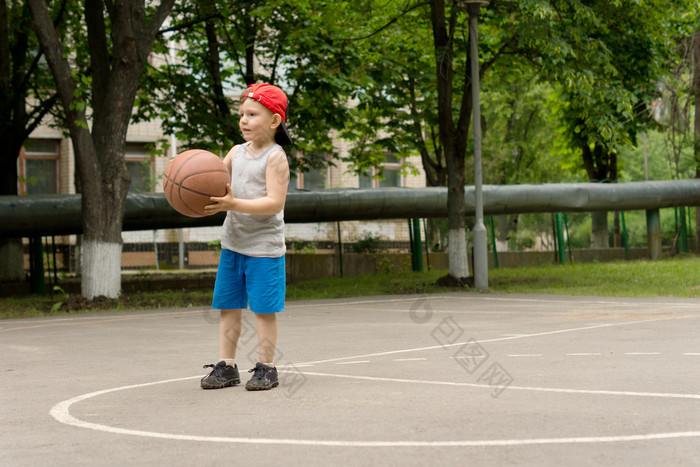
(481, 262)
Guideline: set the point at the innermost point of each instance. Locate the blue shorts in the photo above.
(242, 280)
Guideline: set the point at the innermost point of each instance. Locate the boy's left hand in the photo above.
(223, 203)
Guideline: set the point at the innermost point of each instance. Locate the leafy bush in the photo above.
(367, 243)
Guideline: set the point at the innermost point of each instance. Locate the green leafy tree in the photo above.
(26, 97)
(604, 58)
(396, 101)
(678, 111)
(519, 137)
(220, 47)
(591, 58)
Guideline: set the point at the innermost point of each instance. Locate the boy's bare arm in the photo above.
(228, 160)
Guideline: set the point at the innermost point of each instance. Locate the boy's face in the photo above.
(257, 123)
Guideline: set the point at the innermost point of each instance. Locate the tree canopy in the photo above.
(368, 76)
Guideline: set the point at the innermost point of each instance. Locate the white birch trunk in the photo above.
(599, 230)
(457, 251)
(101, 269)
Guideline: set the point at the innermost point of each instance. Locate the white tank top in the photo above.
(252, 234)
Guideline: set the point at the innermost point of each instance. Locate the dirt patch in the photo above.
(455, 282)
(74, 302)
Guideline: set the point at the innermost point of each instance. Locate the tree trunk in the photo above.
(696, 92)
(11, 249)
(12, 112)
(507, 228)
(617, 234)
(115, 72)
(601, 166)
(457, 235)
(12, 264)
(599, 230)
(452, 138)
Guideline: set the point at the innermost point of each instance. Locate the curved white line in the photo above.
(663, 395)
(61, 412)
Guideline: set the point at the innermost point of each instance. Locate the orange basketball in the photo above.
(191, 178)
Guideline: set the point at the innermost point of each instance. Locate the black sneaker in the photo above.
(221, 376)
(265, 377)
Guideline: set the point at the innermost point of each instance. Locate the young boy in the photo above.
(251, 267)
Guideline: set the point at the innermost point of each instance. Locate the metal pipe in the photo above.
(36, 215)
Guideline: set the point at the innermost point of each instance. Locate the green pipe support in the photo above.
(683, 240)
(340, 249)
(625, 242)
(493, 243)
(416, 247)
(36, 266)
(561, 246)
(427, 249)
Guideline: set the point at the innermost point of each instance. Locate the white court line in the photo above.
(526, 355)
(334, 302)
(692, 353)
(588, 301)
(363, 302)
(61, 412)
(107, 317)
(96, 319)
(352, 363)
(497, 339)
(663, 395)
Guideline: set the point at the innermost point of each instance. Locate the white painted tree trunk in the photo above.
(101, 269)
(599, 230)
(457, 251)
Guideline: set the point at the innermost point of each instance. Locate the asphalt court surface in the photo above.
(448, 379)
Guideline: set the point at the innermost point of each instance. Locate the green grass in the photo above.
(367, 285)
(678, 277)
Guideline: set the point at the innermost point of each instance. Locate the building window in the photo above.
(314, 179)
(38, 167)
(138, 162)
(392, 175)
(366, 180)
(311, 179)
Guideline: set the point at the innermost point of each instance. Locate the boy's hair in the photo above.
(275, 100)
